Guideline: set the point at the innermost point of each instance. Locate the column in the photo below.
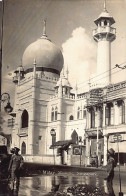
(88, 119)
(105, 149)
(75, 109)
(31, 127)
(125, 109)
(104, 106)
(87, 151)
(116, 113)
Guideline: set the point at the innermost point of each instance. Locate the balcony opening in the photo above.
(92, 118)
(23, 148)
(71, 117)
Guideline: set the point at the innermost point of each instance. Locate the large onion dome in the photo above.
(48, 56)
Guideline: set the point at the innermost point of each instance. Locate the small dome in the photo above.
(64, 81)
(47, 55)
(104, 15)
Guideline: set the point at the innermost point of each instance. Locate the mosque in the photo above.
(55, 125)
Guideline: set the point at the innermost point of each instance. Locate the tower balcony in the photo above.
(103, 31)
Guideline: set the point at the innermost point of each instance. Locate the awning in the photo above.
(93, 134)
(62, 144)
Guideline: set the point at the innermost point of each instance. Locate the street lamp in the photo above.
(6, 97)
(1, 46)
(53, 134)
(118, 138)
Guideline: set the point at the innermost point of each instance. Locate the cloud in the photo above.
(79, 53)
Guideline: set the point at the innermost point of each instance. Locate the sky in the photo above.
(69, 25)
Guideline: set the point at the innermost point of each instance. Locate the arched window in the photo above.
(84, 113)
(109, 114)
(56, 110)
(52, 114)
(74, 137)
(24, 118)
(121, 106)
(71, 117)
(78, 113)
(23, 148)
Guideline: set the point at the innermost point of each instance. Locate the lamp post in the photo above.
(80, 140)
(118, 138)
(1, 46)
(53, 134)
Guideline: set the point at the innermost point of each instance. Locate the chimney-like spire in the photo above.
(63, 71)
(34, 72)
(21, 63)
(67, 72)
(105, 10)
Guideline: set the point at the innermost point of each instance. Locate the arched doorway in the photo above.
(74, 137)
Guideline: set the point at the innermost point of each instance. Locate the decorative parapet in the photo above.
(116, 91)
(38, 76)
(111, 92)
(64, 96)
(46, 78)
(81, 96)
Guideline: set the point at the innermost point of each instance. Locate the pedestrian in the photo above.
(110, 171)
(15, 165)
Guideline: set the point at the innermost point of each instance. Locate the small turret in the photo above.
(66, 86)
(34, 69)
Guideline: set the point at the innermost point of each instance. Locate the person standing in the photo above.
(110, 171)
(15, 165)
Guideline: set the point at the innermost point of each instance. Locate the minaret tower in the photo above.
(104, 35)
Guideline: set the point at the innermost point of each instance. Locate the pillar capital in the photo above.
(104, 104)
(95, 108)
(124, 100)
(115, 103)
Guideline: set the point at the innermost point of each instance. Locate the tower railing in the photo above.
(105, 29)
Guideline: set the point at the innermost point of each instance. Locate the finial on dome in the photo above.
(44, 36)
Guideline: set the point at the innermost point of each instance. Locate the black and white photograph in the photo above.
(62, 97)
